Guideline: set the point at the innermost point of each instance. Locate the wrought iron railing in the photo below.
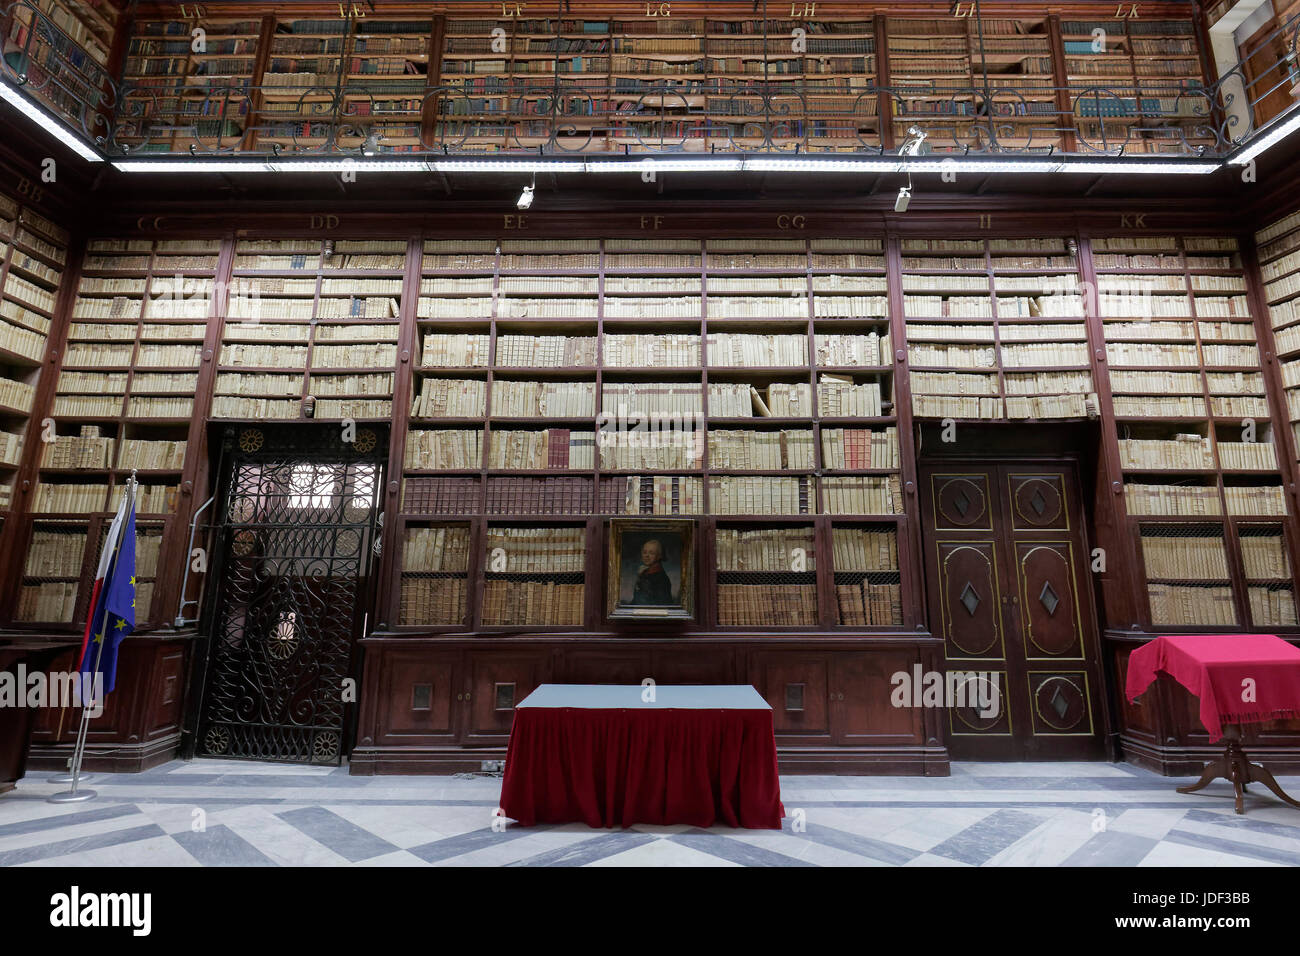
(580, 115)
(43, 61)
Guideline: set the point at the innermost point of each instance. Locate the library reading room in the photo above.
(631, 411)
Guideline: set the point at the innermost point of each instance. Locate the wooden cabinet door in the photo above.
(1009, 593)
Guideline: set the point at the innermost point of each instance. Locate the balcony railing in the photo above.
(559, 115)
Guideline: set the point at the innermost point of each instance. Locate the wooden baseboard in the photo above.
(1189, 760)
(883, 761)
(107, 757)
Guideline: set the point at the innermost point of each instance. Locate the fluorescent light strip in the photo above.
(1277, 134)
(681, 165)
(54, 127)
(508, 165)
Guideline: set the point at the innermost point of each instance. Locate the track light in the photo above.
(329, 248)
(526, 197)
(371, 145)
(904, 197)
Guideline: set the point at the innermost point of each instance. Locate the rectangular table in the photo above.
(1238, 679)
(603, 755)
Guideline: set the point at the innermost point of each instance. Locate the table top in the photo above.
(1233, 648)
(628, 696)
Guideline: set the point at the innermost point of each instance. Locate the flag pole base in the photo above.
(71, 796)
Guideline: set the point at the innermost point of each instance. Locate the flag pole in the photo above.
(79, 749)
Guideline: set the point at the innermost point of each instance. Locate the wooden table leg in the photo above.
(1235, 767)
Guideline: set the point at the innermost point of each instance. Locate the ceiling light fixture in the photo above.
(54, 127)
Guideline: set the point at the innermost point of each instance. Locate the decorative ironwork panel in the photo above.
(297, 539)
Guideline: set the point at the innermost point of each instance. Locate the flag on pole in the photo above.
(112, 599)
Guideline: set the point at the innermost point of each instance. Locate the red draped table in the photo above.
(602, 755)
(1239, 679)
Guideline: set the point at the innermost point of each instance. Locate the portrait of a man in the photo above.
(650, 569)
(652, 584)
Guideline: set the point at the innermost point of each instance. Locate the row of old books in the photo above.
(271, 332)
(1184, 556)
(55, 554)
(535, 603)
(511, 399)
(244, 383)
(1182, 605)
(426, 600)
(1185, 451)
(24, 317)
(761, 605)
(88, 450)
(626, 451)
(93, 355)
(149, 499)
(333, 385)
(441, 548)
(234, 406)
(1272, 607)
(869, 605)
(766, 549)
(458, 449)
(956, 406)
(1255, 499)
(857, 549)
(547, 351)
(52, 601)
(738, 400)
(119, 331)
(1172, 500)
(513, 550)
(16, 395)
(859, 448)
(151, 455)
(743, 450)
(673, 350)
(877, 495)
(68, 498)
(24, 342)
(450, 398)
(11, 447)
(1052, 406)
(663, 495)
(538, 450)
(1247, 456)
(1263, 556)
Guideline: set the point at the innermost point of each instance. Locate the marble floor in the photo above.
(223, 813)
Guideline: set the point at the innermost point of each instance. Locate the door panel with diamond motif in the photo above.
(1006, 577)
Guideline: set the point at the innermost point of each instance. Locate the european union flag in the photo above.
(114, 615)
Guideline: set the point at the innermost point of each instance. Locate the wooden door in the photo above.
(1268, 83)
(1008, 589)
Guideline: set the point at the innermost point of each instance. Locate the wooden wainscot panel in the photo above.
(796, 686)
(415, 697)
(1141, 717)
(582, 665)
(690, 665)
(497, 683)
(861, 710)
(164, 717)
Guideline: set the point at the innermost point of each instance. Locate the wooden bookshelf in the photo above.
(124, 398)
(311, 330)
(940, 72)
(735, 378)
(627, 83)
(33, 257)
(187, 82)
(1139, 84)
(1196, 442)
(996, 330)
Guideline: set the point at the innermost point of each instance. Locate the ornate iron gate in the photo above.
(296, 548)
